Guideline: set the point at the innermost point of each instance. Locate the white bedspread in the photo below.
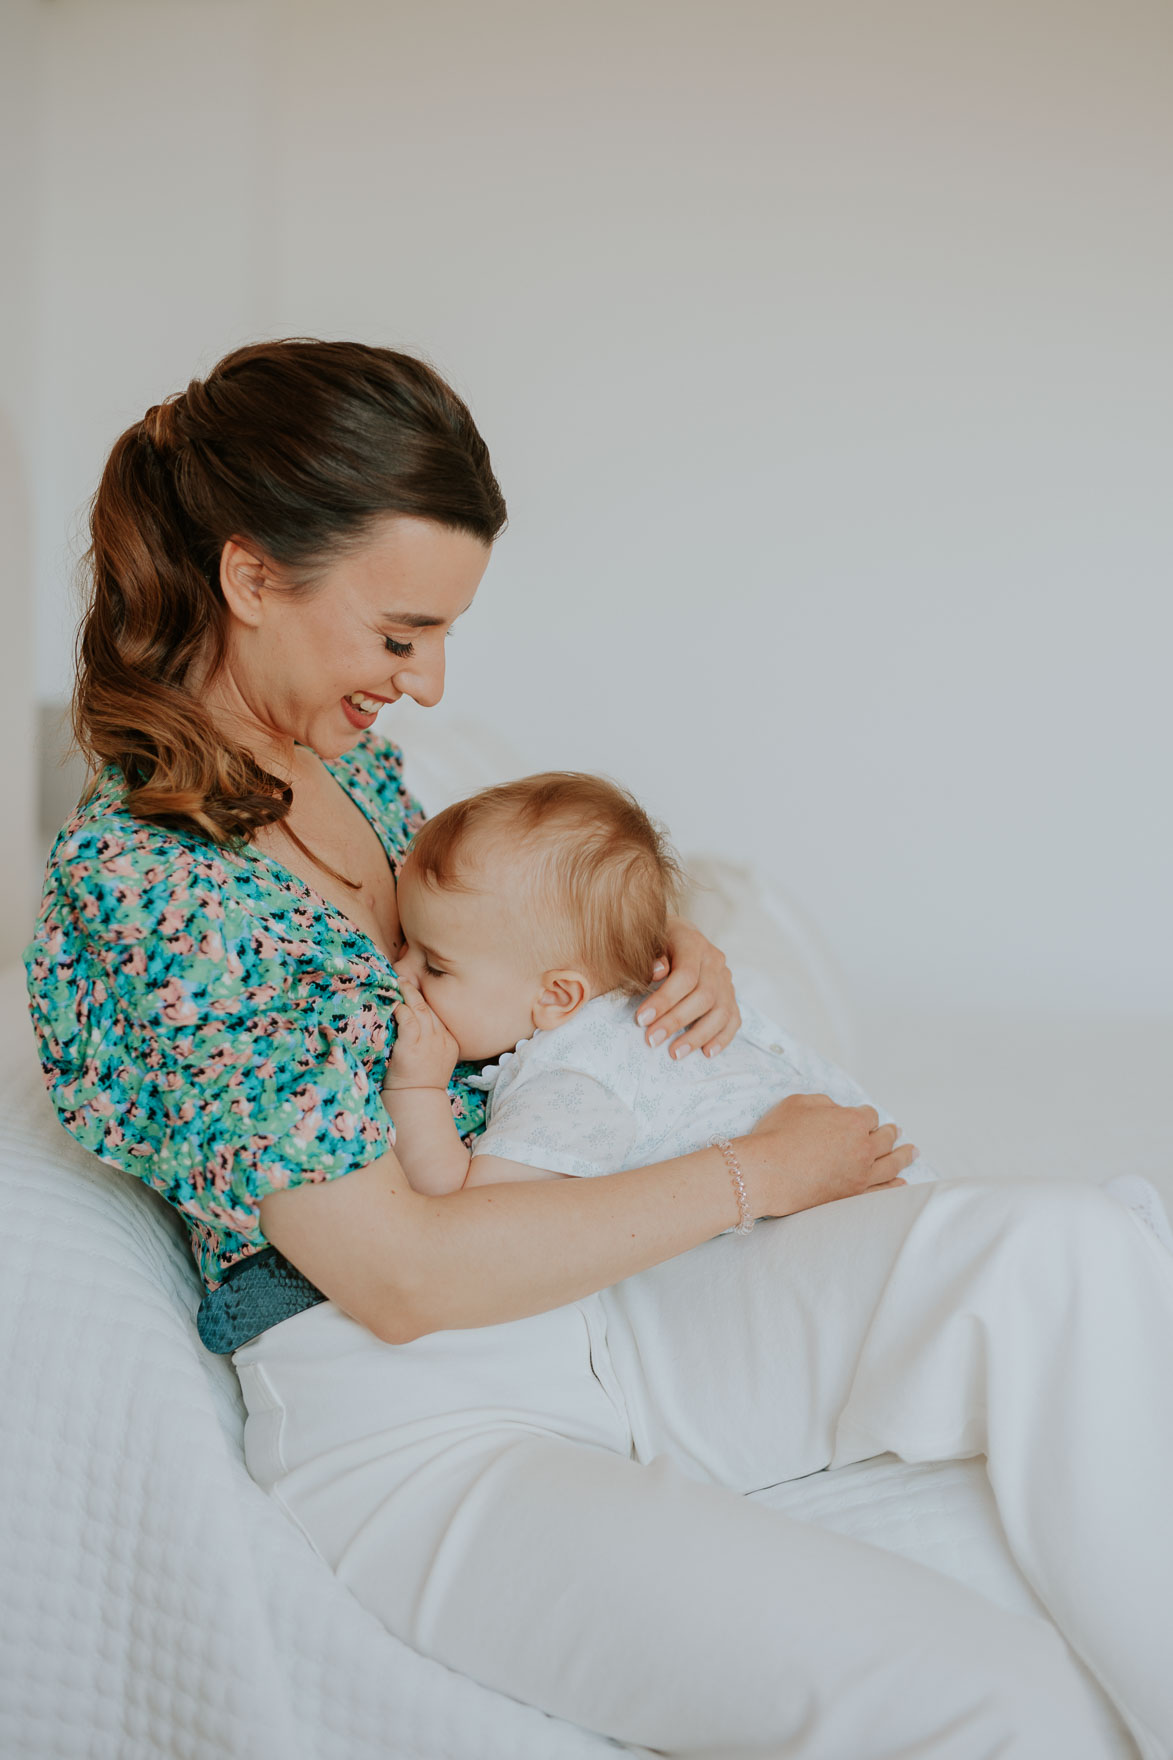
(156, 1603)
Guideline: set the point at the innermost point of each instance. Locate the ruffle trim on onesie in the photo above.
(491, 1072)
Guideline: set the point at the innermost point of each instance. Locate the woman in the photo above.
(277, 553)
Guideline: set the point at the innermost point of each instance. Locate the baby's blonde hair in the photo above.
(593, 859)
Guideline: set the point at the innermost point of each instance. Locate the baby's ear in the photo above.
(562, 994)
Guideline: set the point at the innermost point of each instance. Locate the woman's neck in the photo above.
(238, 723)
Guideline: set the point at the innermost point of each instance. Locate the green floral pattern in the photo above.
(208, 1022)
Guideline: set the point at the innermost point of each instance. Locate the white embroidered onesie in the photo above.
(591, 1097)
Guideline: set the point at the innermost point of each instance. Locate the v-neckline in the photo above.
(317, 898)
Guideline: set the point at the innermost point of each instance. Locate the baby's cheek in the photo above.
(438, 1000)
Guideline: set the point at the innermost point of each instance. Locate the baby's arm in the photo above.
(427, 1142)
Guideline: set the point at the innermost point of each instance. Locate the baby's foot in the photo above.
(1137, 1195)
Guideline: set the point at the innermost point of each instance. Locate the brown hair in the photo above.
(597, 860)
(297, 447)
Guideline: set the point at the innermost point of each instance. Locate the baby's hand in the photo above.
(425, 1053)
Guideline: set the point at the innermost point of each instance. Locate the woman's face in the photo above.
(317, 666)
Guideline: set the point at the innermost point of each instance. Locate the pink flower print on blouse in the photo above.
(176, 1005)
(205, 1022)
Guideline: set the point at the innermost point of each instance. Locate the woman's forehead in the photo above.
(412, 572)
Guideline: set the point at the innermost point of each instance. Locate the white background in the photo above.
(824, 356)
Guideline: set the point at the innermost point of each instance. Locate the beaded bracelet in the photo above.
(746, 1221)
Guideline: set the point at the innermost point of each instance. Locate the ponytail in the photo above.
(296, 446)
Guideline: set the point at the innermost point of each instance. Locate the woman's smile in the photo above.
(360, 708)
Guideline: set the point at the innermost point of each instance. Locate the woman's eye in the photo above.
(403, 649)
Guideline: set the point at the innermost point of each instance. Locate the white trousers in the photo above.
(551, 1506)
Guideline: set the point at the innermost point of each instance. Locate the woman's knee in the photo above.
(1077, 1224)
(1042, 1697)
(1048, 1216)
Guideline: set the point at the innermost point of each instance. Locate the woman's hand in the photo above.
(425, 1053)
(695, 999)
(808, 1150)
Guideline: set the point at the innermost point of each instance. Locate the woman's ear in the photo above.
(242, 577)
(561, 995)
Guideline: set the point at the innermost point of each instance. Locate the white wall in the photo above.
(824, 357)
(19, 55)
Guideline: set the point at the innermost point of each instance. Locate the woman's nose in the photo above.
(422, 678)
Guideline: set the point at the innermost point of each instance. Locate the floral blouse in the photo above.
(208, 1022)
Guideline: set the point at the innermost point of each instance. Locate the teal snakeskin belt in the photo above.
(257, 1292)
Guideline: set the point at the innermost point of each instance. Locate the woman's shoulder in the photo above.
(115, 868)
(372, 773)
(373, 761)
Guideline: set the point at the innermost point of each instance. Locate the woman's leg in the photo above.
(685, 1619)
(521, 1544)
(1030, 1322)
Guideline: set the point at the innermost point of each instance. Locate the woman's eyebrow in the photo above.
(412, 619)
(418, 619)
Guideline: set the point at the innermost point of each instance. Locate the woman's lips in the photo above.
(356, 716)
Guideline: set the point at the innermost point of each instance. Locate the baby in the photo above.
(532, 916)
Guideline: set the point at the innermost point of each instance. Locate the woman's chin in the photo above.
(333, 737)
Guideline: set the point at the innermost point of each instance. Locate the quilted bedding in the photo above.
(156, 1602)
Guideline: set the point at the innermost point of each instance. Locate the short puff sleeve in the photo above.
(218, 1051)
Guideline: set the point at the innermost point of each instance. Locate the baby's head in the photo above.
(522, 902)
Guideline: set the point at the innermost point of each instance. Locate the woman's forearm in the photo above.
(405, 1264)
(498, 1252)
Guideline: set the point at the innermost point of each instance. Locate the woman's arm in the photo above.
(404, 1264)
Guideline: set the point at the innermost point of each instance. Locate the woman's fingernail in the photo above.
(658, 1037)
(681, 1050)
(644, 1016)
